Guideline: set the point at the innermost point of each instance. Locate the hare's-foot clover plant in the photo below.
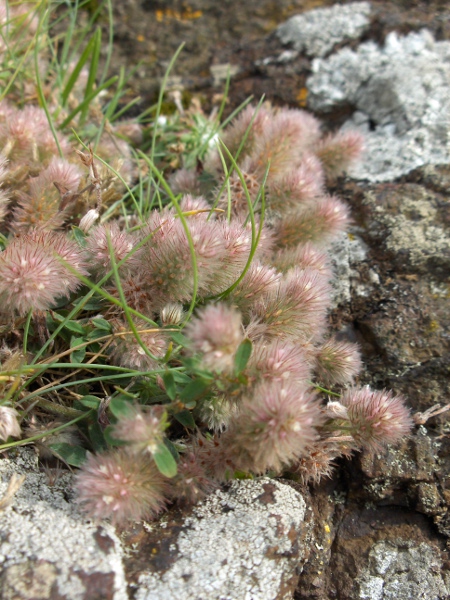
(165, 283)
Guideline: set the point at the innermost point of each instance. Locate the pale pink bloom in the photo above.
(304, 256)
(318, 222)
(250, 122)
(280, 361)
(127, 352)
(317, 461)
(166, 263)
(296, 308)
(9, 426)
(142, 429)
(60, 171)
(377, 417)
(190, 203)
(191, 483)
(237, 243)
(338, 151)
(38, 268)
(137, 295)
(184, 181)
(104, 240)
(284, 139)
(215, 334)
(337, 362)
(258, 280)
(121, 486)
(234, 193)
(274, 426)
(301, 184)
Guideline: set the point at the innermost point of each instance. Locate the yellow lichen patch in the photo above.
(140, 38)
(179, 15)
(302, 97)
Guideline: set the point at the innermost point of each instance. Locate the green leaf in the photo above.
(185, 418)
(97, 438)
(180, 339)
(110, 439)
(194, 390)
(95, 334)
(90, 401)
(72, 326)
(169, 384)
(80, 236)
(121, 406)
(165, 462)
(243, 354)
(72, 455)
(77, 356)
(102, 324)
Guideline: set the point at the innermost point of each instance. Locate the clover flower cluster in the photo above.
(258, 340)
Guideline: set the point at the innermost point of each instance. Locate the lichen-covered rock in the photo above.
(401, 570)
(316, 32)
(48, 551)
(401, 93)
(243, 543)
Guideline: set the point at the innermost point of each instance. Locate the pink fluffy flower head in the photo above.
(280, 361)
(167, 261)
(337, 362)
(303, 184)
(317, 222)
(338, 151)
(296, 308)
(275, 424)
(142, 429)
(377, 417)
(121, 486)
(259, 280)
(191, 483)
(121, 243)
(215, 333)
(304, 256)
(36, 269)
(127, 352)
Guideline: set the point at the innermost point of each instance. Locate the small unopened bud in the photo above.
(9, 427)
(172, 313)
(335, 410)
(89, 219)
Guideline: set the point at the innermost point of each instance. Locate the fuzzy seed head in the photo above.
(33, 272)
(127, 352)
(338, 151)
(274, 426)
(191, 483)
(280, 361)
(298, 186)
(258, 281)
(215, 333)
(121, 486)
(120, 242)
(296, 308)
(318, 222)
(304, 256)
(142, 429)
(377, 417)
(337, 362)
